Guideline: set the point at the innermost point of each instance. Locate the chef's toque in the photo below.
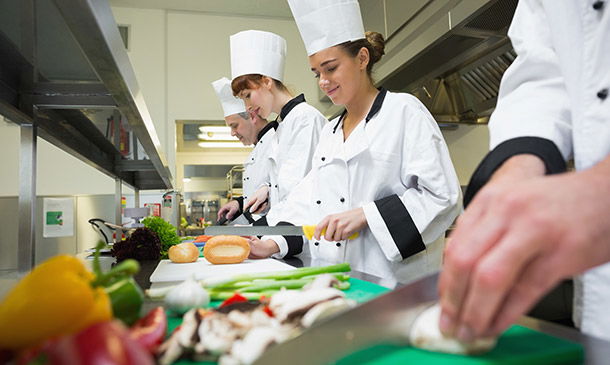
(230, 104)
(327, 23)
(258, 52)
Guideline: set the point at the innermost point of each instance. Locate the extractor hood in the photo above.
(457, 75)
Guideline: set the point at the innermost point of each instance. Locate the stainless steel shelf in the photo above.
(65, 77)
(64, 59)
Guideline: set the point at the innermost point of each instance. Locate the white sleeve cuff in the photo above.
(281, 243)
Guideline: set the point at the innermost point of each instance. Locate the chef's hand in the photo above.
(228, 210)
(259, 201)
(262, 249)
(341, 225)
(519, 237)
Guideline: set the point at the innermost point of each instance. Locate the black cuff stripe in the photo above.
(541, 147)
(240, 201)
(401, 226)
(295, 243)
(261, 222)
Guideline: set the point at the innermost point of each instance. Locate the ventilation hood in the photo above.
(451, 55)
(457, 76)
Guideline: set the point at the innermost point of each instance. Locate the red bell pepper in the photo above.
(150, 330)
(236, 298)
(100, 344)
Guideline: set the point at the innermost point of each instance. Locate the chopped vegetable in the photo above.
(236, 298)
(187, 295)
(221, 288)
(56, 298)
(142, 244)
(220, 282)
(165, 231)
(150, 330)
(125, 294)
(107, 342)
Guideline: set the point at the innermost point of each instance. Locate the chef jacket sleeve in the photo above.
(293, 210)
(305, 133)
(403, 224)
(533, 111)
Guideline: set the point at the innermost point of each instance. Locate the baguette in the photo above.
(183, 252)
(226, 249)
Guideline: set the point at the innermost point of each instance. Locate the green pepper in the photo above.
(126, 297)
(125, 294)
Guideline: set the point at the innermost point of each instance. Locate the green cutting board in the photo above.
(518, 345)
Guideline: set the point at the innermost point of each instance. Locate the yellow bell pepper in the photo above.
(55, 299)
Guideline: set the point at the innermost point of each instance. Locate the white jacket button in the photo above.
(602, 94)
(338, 244)
(598, 5)
(316, 243)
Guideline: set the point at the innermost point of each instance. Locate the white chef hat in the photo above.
(258, 52)
(230, 104)
(327, 23)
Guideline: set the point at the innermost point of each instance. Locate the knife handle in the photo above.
(308, 232)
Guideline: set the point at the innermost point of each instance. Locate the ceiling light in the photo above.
(222, 145)
(215, 129)
(186, 179)
(209, 136)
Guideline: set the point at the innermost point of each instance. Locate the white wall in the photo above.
(176, 55)
(467, 145)
(57, 172)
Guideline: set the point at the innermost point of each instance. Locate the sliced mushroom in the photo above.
(290, 306)
(425, 334)
(326, 309)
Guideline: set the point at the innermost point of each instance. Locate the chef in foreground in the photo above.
(382, 167)
(250, 129)
(531, 223)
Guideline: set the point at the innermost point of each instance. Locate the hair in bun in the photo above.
(374, 43)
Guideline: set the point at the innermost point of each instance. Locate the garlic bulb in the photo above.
(189, 294)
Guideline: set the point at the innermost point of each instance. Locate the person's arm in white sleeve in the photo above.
(404, 224)
(533, 112)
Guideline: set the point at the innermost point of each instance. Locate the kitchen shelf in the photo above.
(64, 70)
(65, 77)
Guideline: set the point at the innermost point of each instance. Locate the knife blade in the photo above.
(385, 319)
(306, 231)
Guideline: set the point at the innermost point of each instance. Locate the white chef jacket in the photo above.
(258, 164)
(396, 165)
(557, 89)
(293, 146)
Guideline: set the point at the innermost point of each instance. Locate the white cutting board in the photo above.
(202, 269)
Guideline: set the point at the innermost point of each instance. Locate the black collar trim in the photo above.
(290, 105)
(377, 103)
(265, 129)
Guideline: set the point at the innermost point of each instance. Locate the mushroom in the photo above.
(326, 309)
(425, 334)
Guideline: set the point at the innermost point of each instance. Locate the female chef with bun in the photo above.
(257, 67)
(381, 169)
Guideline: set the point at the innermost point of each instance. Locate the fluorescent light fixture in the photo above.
(186, 179)
(216, 137)
(222, 145)
(215, 129)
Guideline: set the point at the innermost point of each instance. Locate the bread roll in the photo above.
(183, 252)
(226, 249)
